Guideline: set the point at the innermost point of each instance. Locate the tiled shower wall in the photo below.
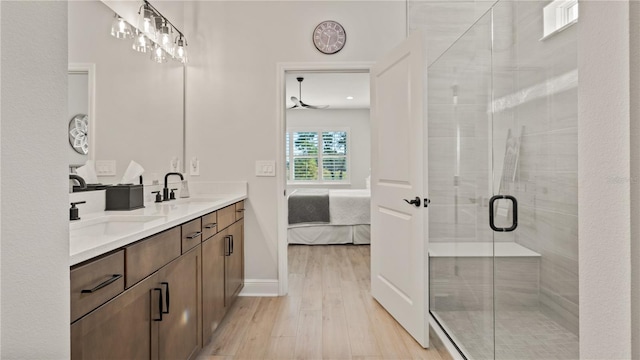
(533, 84)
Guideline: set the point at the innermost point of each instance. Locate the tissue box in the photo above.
(124, 197)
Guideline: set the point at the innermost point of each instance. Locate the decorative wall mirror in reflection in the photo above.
(137, 104)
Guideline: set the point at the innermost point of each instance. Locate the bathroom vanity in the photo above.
(154, 283)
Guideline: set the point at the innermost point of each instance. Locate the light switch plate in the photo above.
(265, 168)
(106, 167)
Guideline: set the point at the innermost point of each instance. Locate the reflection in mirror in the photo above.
(138, 103)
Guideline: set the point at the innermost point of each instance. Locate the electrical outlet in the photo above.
(105, 167)
(174, 164)
(194, 168)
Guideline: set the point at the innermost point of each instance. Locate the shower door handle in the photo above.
(514, 225)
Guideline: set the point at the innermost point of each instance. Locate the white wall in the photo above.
(604, 180)
(35, 233)
(235, 47)
(359, 141)
(635, 176)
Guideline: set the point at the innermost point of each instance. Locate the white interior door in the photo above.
(399, 229)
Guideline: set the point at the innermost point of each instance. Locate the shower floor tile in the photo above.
(519, 335)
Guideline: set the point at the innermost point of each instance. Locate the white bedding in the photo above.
(350, 219)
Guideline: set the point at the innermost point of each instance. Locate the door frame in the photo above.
(281, 71)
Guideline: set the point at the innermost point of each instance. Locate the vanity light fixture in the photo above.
(180, 49)
(121, 29)
(154, 35)
(159, 32)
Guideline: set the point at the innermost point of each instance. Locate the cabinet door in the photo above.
(234, 264)
(179, 335)
(122, 328)
(213, 310)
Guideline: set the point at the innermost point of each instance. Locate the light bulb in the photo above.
(158, 55)
(165, 35)
(120, 29)
(141, 43)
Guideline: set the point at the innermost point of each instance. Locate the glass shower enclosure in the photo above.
(503, 221)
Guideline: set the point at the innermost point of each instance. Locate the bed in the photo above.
(322, 216)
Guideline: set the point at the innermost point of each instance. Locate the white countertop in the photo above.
(100, 232)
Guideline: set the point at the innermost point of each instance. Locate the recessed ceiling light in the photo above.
(349, 97)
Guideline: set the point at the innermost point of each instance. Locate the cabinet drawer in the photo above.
(191, 234)
(147, 256)
(209, 225)
(226, 217)
(95, 283)
(239, 210)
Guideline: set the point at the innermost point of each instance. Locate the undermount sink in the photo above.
(113, 224)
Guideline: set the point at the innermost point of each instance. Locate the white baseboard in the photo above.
(260, 287)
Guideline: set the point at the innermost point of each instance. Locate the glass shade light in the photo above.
(141, 43)
(147, 21)
(121, 29)
(158, 55)
(164, 36)
(180, 50)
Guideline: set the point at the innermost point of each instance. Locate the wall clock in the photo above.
(329, 37)
(78, 134)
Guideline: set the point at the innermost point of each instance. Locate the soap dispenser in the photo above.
(73, 211)
(184, 192)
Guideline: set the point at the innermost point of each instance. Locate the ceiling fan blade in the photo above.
(313, 106)
(297, 103)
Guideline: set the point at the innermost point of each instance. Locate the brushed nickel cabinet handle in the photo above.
(210, 226)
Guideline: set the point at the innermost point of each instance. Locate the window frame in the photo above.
(319, 130)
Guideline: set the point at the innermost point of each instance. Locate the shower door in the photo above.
(502, 124)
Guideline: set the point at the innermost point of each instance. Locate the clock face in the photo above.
(329, 37)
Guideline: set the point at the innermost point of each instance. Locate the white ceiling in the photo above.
(330, 89)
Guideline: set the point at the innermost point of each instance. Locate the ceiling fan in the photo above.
(298, 104)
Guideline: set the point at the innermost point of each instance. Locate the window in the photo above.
(317, 156)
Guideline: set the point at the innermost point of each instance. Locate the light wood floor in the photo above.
(328, 314)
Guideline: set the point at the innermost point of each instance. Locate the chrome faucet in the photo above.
(79, 179)
(165, 190)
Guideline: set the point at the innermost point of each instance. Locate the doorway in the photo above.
(322, 148)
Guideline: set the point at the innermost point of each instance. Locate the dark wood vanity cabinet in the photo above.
(123, 328)
(234, 262)
(172, 303)
(213, 270)
(179, 334)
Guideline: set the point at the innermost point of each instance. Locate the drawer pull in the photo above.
(231, 252)
(106, 283)
(159, 303)
(240, 210)
(167, 297)
(194, 235)
(210, 226)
